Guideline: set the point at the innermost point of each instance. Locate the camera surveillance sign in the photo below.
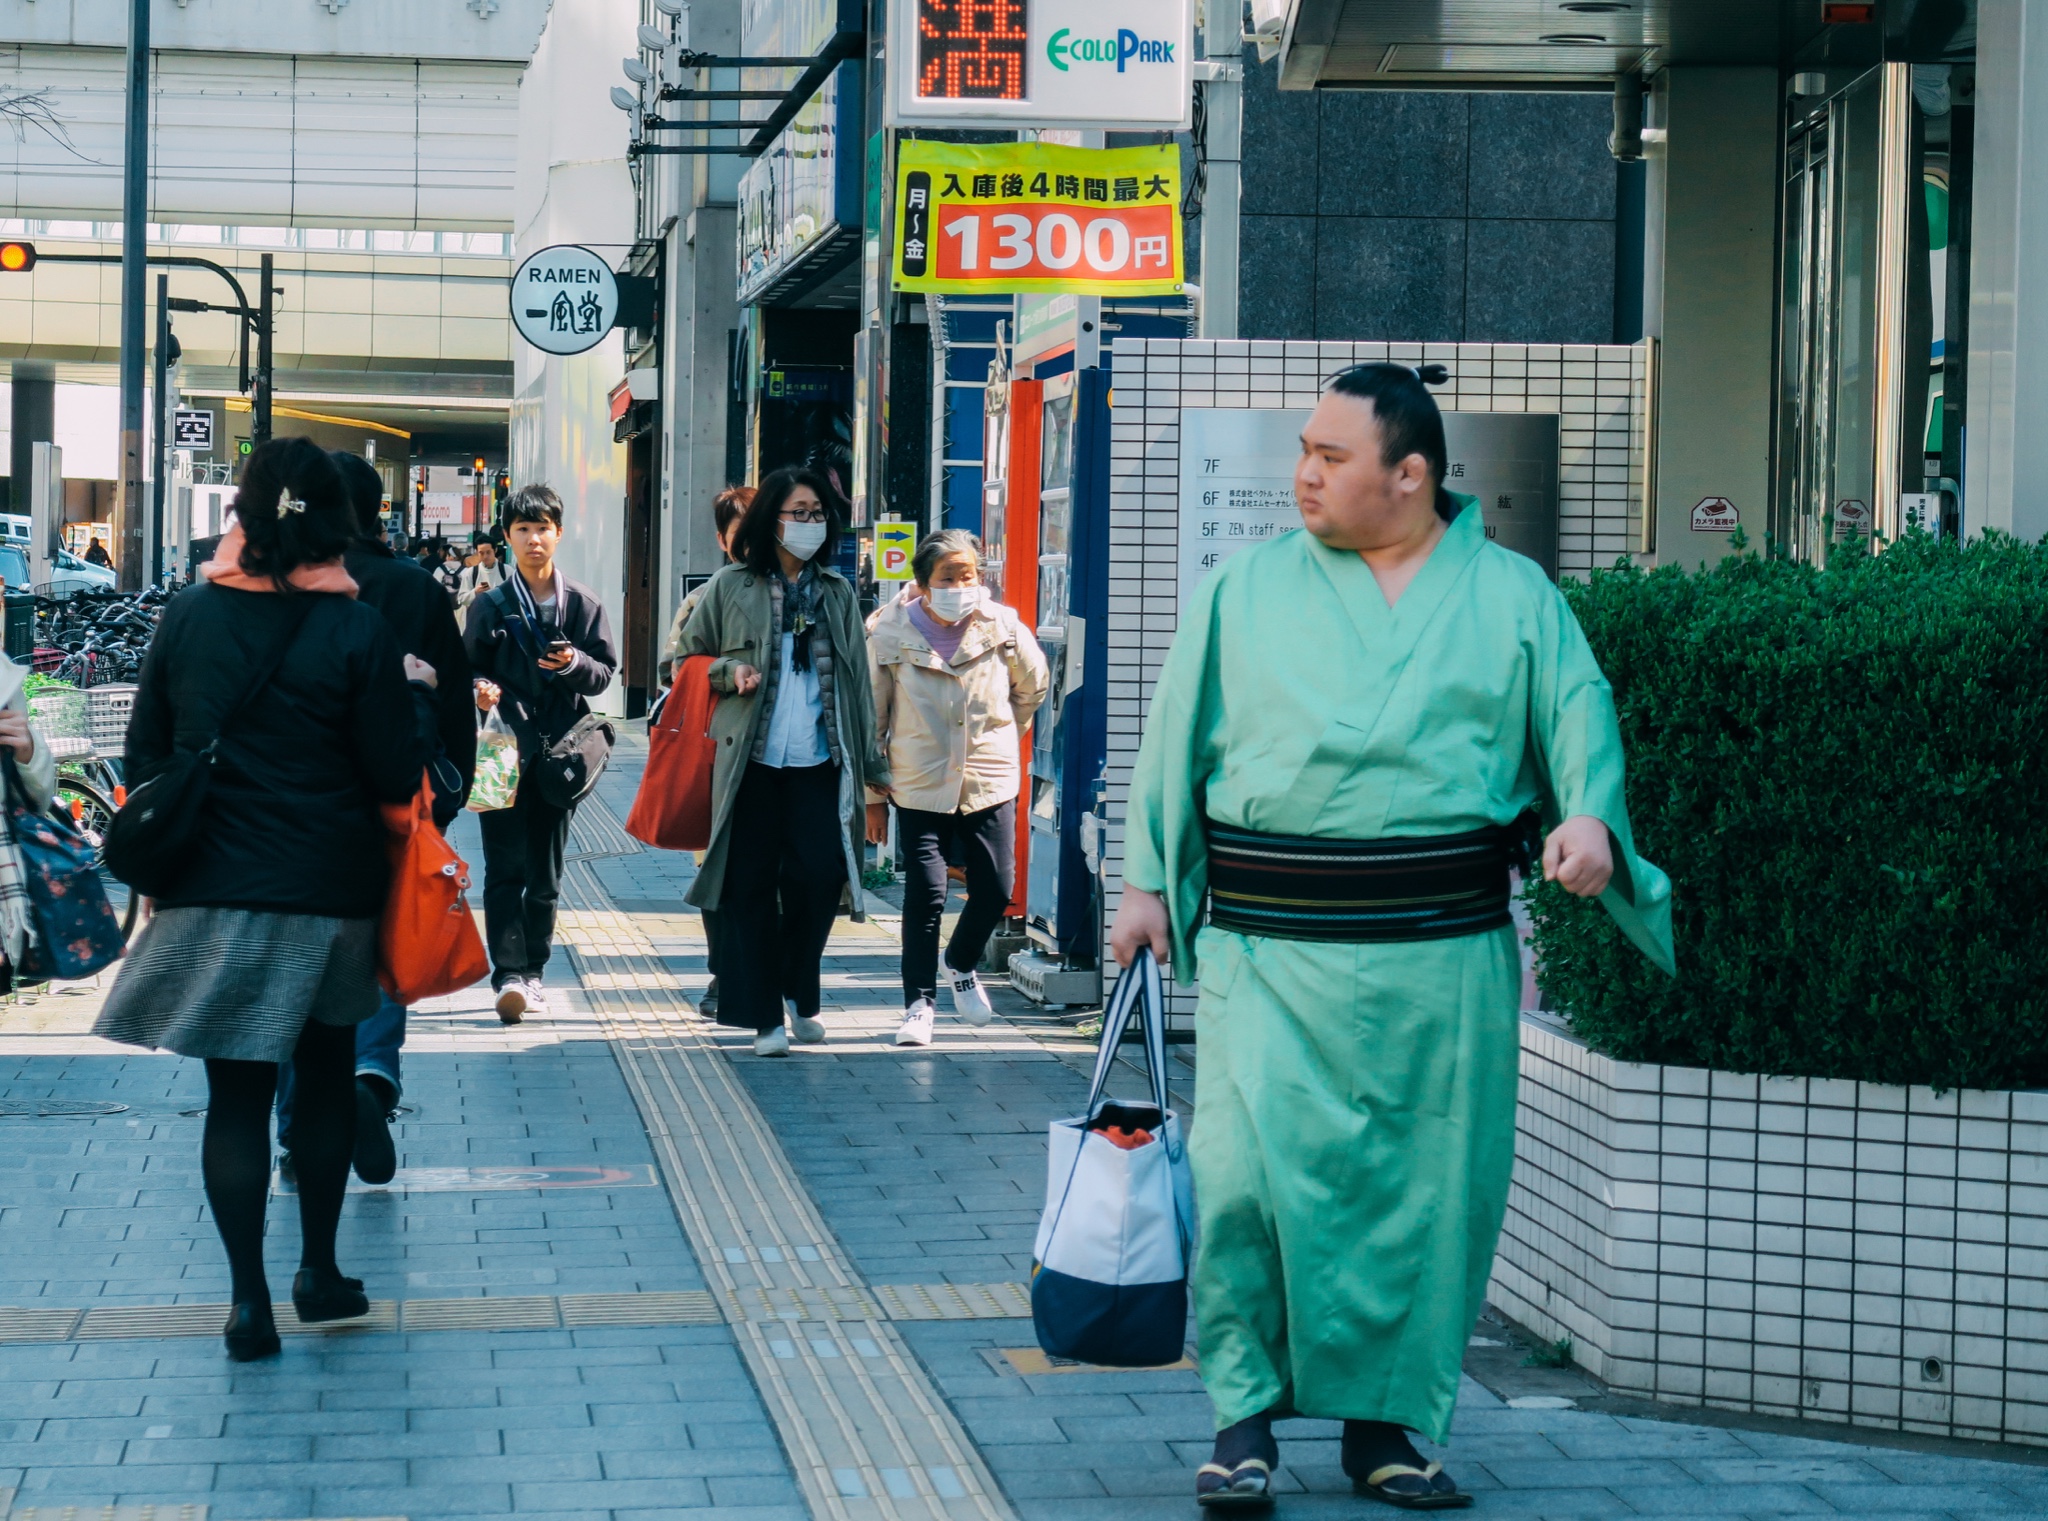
(564, 299)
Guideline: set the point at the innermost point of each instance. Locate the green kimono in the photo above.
(1355, 1103)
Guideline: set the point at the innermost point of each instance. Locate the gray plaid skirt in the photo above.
(236, 984)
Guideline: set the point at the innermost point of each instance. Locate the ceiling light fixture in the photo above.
(1593, 7)
(1574, 39)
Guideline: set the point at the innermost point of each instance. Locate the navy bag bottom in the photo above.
(1113, 1325)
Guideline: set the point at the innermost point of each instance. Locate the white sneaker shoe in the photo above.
(512, 1001)
(916, 1029)
(970, 1002)
(536, 998)
(773, 1042)
(804, 1031)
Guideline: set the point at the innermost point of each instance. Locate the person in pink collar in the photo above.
(265, 949)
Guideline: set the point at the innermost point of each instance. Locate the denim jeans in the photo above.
(378, 1039)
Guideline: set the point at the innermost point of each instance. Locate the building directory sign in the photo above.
(1119, 64)
(1008, 217)
(564, 299)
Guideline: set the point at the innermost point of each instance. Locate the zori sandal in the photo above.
(1245, 1487)
(1413, 1488)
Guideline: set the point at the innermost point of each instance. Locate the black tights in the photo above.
(234, 1156)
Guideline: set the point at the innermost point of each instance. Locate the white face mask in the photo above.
(953, 603)
(803, 539)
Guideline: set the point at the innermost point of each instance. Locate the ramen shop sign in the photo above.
(564, 299)
(1038, 217)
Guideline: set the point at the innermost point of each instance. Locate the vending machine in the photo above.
(1070, 736)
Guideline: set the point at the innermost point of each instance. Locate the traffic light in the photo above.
(479, 467)
(16, 257)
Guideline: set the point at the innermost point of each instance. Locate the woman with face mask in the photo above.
(957, 677)
(796, 753)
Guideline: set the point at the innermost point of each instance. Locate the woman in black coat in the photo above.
(265, 950)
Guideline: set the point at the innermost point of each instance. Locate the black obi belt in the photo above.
(1429, 887)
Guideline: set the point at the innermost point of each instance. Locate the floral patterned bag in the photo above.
(76, 931)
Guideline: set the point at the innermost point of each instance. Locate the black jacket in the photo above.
(417, 609)
(291, 822)
(540, 708)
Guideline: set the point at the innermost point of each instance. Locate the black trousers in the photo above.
(523, 848)
(785, 868)
(986, 843)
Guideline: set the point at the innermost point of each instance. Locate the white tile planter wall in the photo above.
(1791, 1246)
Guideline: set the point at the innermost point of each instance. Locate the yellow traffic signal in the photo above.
(17, 257)
(479, 465)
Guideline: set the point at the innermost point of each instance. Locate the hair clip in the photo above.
(289, 503)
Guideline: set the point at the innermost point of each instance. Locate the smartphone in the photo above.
(559, 646)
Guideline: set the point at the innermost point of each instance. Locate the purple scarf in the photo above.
(944, 638)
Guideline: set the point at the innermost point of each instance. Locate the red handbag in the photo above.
(672, 809)
(427, 943)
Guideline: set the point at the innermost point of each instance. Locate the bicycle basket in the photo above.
(63, 716)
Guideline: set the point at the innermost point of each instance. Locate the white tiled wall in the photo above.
(1793, 1246)
(1597, 391)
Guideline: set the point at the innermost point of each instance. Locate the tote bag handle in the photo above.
(1138, 993)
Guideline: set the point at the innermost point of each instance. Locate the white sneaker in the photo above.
(916, 1029)
(804, 1031)
(773, 1042)
(536, 998)
(969, 1001)
(512, 1001)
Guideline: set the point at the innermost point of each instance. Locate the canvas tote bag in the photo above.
(1109, 1281)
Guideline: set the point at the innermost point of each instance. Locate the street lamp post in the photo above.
(128, 528)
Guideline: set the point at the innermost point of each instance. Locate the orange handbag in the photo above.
(427, 944)
(672, 809)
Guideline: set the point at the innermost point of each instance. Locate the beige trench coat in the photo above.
(731, 625)
(951, 729)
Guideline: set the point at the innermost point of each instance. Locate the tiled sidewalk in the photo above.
(926, 1168)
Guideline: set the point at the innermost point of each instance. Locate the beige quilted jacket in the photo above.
(951, 730)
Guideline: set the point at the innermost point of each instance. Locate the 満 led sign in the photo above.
(1043, 63)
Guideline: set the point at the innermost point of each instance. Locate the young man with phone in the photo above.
(541, 648)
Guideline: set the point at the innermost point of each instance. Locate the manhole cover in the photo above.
(49, 1109)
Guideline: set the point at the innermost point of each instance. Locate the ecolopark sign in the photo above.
(1116, 64)
(1038, 217)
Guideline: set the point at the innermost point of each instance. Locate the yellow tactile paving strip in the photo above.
(530, 1312)
(869, 1436)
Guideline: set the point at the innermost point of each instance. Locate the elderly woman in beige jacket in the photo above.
(956, 677)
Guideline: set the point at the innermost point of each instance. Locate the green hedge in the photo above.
(1846, 775)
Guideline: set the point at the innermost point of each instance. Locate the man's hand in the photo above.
(417, 669)
(16, 735)
(1140, 921)
(1578, 857)
(556, 660)
(745, 679)
(878, 823)
(487, 695)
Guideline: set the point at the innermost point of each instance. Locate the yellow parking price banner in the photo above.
(895, 543)
(1038, 217)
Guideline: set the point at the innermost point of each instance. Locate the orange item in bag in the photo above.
(427, 943)
(672, 809)
(1125, 1140)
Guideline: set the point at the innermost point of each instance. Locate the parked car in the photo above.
(68, 575)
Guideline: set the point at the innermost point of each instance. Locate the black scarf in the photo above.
(803, 610)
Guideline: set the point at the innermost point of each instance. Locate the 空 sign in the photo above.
(1117, 64)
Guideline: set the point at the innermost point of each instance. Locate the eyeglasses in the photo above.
(798, 515)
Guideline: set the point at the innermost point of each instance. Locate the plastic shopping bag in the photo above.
(497, 766)
(1109, 1282)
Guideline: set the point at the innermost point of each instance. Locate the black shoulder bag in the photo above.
(149, 843)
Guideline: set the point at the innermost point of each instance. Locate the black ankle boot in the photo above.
(251, 1332)
(318, 1296)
